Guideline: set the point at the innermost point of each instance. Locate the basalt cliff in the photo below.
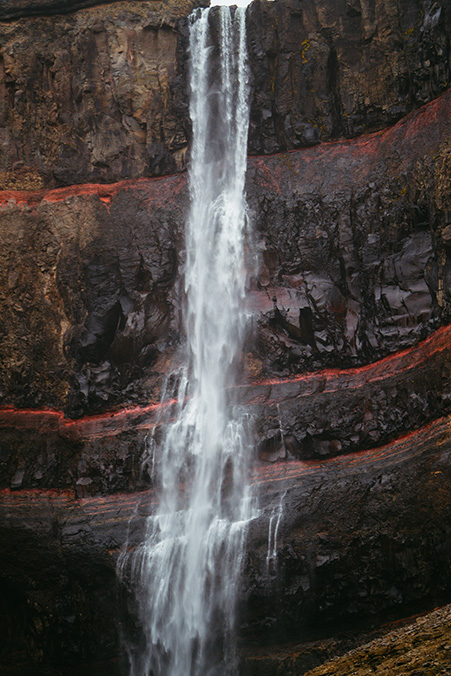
(346, 370)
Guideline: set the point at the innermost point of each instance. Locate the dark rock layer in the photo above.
(354, 546)
(311, 416)
(353, 261)
(359, 550)
(324, 70)
(350, 298)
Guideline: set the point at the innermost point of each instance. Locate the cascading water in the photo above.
(187, 570)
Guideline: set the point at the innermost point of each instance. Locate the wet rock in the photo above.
(353, 549)
(358, 563)
(101, 266)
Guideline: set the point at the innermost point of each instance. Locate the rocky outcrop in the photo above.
(423, 644)
(324, 70)
(91, 95)
(101, 268)
(346, 369)
(315, 415)
(351, 245)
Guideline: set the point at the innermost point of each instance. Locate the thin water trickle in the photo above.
(273, 534)
(186, 572)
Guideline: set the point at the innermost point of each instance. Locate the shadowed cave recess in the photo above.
(345, 367)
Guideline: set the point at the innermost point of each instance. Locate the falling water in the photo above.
(273, 532)
(188, 568)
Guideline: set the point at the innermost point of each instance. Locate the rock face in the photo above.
(354, 547)
(101, 266)
(101, 94)
(325, 70)
(316, 415)
(346, 369)
(345, 552)
(352, 268)
(91, 95)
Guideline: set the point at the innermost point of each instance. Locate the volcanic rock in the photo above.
(100, 94)
(345, 371)
(323, 70)
(91, 95)
(90, 291)
(354, 546)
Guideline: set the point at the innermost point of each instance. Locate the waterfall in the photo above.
(187, 570)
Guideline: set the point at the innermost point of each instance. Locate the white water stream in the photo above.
(187, 570)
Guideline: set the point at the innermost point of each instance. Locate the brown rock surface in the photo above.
(422, 647)
(91, 95)
(352, 268)
(351, 302)
(329, 69)
(100, 94)
(352, 262)
(316, 415)
(90, 282)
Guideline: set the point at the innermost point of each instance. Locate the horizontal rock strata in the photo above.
(352, 267)
(313, 415)
(343, 550)
(346, 369)
(355, 541)
(352, 254)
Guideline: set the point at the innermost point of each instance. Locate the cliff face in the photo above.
(354, 549)
(324, 70)
(353, 266)
(346, 370)
(91, 95)
(101, 94)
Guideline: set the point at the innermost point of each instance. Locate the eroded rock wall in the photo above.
(349, 351)
(325, 70)
(353, 549)
(100, 94)
(353, 266)
(91, 95)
